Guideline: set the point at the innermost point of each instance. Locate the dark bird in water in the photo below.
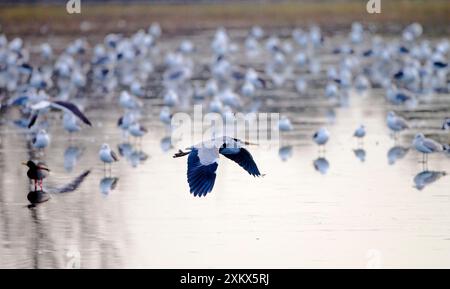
(36, 197)
(36, 172)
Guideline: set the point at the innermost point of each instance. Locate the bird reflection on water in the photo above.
(426, 178)
(396, 153)
(321, 165)
(43, 195)
(108, 184)
(360, 154)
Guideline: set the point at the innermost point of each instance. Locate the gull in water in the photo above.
(426, 146)
(396, 123)
(360, 133)
(107, 156)
(129, 101)
(321, 137)
(203, 161)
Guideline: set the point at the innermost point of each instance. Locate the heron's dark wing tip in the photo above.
(244, 159)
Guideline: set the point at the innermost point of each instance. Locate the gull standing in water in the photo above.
(426, 146)
(203, 161)
(137, 130)
(107, 156)
(396, 123)
(321, 137)
(360, 133)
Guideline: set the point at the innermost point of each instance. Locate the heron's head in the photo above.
(240, 143)
(391, 114)
(42, 131)
(105, 146)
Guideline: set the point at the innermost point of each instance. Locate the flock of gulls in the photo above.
(37, 82)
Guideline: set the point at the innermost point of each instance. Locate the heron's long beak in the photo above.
(250, 143)
(24, 163)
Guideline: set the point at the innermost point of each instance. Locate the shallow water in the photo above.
(352, 214)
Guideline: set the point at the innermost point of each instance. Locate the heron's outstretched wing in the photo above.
(244, 159)
(65, 105)
(200, 177)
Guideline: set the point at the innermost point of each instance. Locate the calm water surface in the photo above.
(347, 207)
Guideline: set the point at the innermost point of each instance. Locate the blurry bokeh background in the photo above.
(97, 17)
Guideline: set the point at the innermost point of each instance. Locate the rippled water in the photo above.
(347, 207)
